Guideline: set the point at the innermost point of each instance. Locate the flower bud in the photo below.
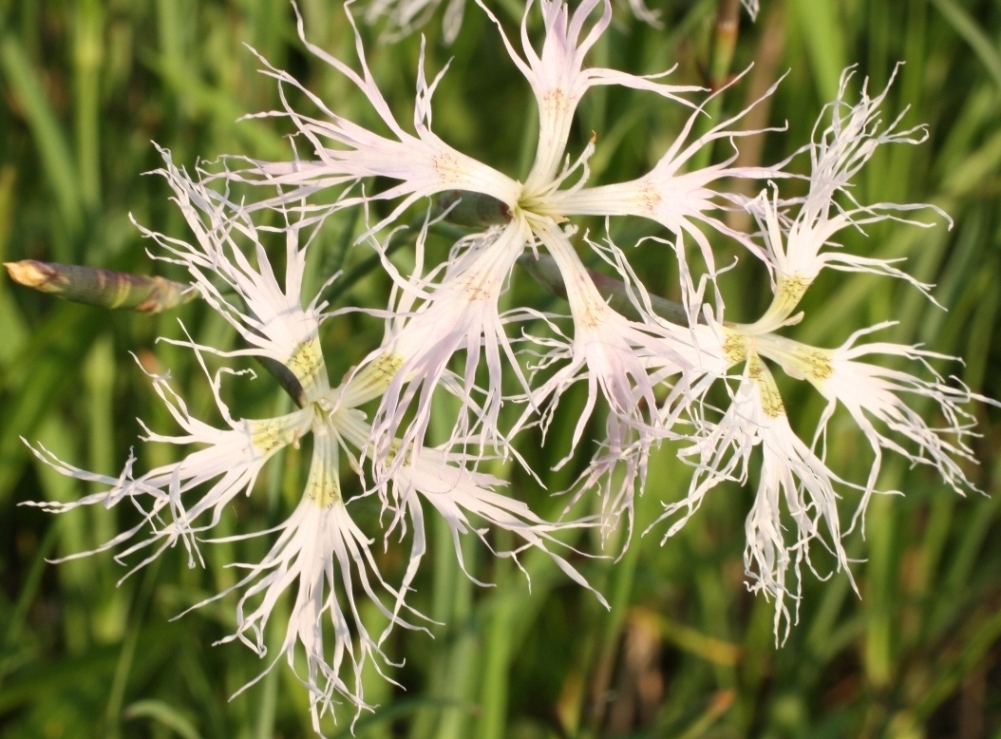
(104, 288)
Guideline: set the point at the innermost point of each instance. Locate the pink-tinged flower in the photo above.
(269, 316)
(559, 80)
(320, 554)
(650, 373)
(404, 17)
(794, 483)
(464, 498)
(451, 308)
(624, 361)
(677, 199)
(431, 320)
(798, 248)
(877, 399)
(422, 165)
(794, 474)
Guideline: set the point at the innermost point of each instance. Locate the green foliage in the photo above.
(685, 650)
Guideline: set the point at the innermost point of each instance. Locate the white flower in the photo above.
(270, 316)
(320, 552)
(456, 493)
(792, 477)
(798, 248)
(442, 310)
(876, 397)
(877, 400)
(676, 199)
(871, 393)
(559, 79)
(650, 373)
(653, 375)
(458, 312)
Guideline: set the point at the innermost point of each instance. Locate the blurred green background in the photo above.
(685, 651)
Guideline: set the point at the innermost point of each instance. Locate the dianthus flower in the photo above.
(320, 553)
(628, 361)
(454, 307)
(651, 375)
(794, 473)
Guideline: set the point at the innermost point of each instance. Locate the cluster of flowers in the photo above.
(652, 374)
